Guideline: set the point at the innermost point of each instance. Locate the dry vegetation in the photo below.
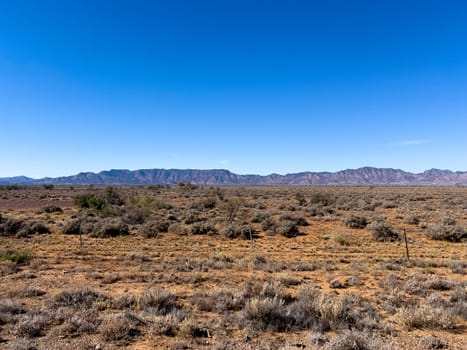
(189, 267)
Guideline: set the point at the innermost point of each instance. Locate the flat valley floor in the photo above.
(191, 267)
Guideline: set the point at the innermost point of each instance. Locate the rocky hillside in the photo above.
(361, 176)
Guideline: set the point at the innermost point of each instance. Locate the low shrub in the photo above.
(149, 204)
(356, 340)
(342, 239)
(268, 224)
(19, 257)
(259, 216)
(79, 323)
(315, 310)
(30, 291)
(190, 217)
(427, 316)
(90, 201)
(431, 342)
(383, 232)
(109, 228)
(10, 310)
(21, 228)
(297, 219)
(448, 233)
(287, 228)
(49, 209)
(412, 219)
(158, 301)
(32, 227)
(189, 328)
(169, 324)
(80, 298)
(355, 221)
(84, 224)
(458, 301)
(103, 203)
(72, 227)
(30, 326)
(179, 229)
(121, 327)
(220, 300)
(203, 228)
(126, 301)
(322, 198)
(134, 215)
(235, 230)
(154, 227)
(265, 313)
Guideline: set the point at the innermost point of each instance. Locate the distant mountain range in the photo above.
(360, 176)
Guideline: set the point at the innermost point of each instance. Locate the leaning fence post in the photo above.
(406, 245)
(80, 242)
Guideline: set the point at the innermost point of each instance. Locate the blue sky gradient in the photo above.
(250, 86)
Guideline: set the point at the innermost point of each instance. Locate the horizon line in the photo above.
(232, 172)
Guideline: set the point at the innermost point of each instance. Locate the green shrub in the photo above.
(322, 198)
(149, 204)
(90, 201)
(102, 203)
(19, 257)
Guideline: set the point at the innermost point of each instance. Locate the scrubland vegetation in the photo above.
(188, 267)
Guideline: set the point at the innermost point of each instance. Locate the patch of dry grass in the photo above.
(176, 267)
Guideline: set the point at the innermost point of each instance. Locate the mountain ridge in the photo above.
(213, 177)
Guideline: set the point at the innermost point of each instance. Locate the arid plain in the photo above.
(190, 267)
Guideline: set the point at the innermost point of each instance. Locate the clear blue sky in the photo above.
(250, 86)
